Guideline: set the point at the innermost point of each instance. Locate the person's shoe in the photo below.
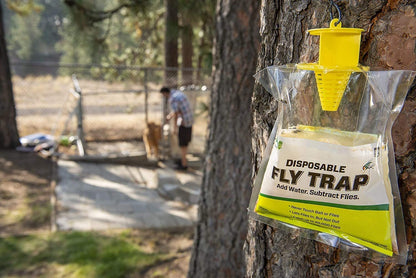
(181, 167)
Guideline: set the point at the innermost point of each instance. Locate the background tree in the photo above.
(137, 31)
(195, 17)
(187, 19)
(222, 217)
(9, 136)
(171, 42)
(109, 32)
(84, 39)
(205, 35)
(32, 31)
(105, 32)
(26, 35)
(388, 42)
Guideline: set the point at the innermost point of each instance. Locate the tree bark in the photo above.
(388, 42)
(222, 220)
(9, 136)
(171, 42)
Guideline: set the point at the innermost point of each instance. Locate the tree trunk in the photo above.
(222, 223)
(200, 56)
(187, 54)
(388, 42)
(171, 42)
(9, 137)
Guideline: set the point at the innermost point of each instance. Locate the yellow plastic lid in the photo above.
(335, 28)
(338, 46)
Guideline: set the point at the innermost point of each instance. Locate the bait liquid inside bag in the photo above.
(333, 173)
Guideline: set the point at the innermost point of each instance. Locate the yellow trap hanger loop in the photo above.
(333, 4)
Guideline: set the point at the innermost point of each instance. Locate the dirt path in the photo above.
(24, 192)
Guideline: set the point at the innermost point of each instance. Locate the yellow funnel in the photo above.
(339, 50)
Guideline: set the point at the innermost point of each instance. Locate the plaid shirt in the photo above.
(180, 104)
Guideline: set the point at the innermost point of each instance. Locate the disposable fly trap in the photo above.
(329, 169)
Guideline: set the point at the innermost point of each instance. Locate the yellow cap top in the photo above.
(338, 46)
(335, 28)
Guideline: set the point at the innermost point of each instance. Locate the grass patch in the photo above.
(38, 215)
(72, 254)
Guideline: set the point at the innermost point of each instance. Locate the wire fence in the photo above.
(117, 101)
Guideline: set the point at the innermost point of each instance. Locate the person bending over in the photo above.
(183, 120)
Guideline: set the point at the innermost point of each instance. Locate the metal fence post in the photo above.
(146, 97)
(80, 130)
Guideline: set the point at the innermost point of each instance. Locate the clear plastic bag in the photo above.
(332, 174)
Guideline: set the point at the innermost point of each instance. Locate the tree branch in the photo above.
(94, 15)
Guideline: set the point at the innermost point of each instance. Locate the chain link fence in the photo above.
(112, 103)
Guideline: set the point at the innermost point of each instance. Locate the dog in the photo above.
(151, 137)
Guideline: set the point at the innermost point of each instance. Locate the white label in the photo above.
(311, 170)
